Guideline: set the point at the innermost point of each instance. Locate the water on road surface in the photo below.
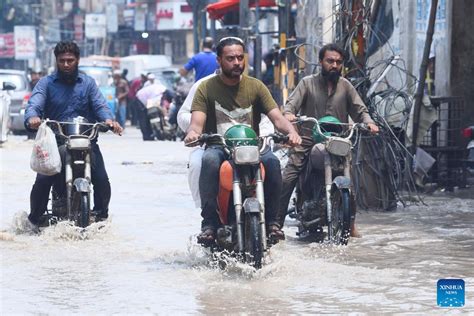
(144, 259)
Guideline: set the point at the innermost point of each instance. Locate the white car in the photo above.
(5, 101)
(19, 98)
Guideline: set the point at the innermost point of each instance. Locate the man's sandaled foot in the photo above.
(275, 233)
(207, 236)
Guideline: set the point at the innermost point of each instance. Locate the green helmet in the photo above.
(240, 135)
(327, 127)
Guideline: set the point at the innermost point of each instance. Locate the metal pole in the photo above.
(195, 28)
(203, 24)
(213, 30)
(424, 66)
(244, 18)
(257, 57)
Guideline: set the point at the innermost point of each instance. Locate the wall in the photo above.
(462, 61)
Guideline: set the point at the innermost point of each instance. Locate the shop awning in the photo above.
(217, 10)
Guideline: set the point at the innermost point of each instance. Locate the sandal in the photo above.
(207, 236)
(275, 233)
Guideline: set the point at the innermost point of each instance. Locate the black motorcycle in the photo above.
(164, 125)
(75, 140)
(324, 198)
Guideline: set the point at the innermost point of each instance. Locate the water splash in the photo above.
(64, 230)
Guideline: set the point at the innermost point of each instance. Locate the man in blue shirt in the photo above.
(203, 63)
(62, 96)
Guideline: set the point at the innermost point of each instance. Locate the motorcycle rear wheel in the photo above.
(340, 225)
(253, 240)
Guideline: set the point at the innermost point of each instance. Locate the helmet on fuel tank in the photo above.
(240, 135)
(329, 125)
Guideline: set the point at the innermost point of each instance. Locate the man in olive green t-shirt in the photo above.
(220, 102)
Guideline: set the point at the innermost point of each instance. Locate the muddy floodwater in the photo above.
(144, 259)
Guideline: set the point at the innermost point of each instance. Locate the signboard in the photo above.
(96, 26)
(25, 42)
(112, 18)
(78, 28)
(53, 31)
(140, 19)
(171, 16)
(128, 17)
(7, 45)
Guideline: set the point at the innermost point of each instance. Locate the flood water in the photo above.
(144, 259)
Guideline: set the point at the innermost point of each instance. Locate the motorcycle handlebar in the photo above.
(95, 127)
(278, 138)
(352, 127)
(219, 139)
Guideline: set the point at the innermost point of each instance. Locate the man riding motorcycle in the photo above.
(220, 102)
(326, 93)
(195, 157)
(62, 96)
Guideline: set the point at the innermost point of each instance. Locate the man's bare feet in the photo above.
(354, 232)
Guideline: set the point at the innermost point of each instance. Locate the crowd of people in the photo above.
(222, 96)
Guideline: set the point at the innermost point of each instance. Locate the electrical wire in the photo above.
(386, 157)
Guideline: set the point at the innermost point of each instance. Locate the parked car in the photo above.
(5, 100)
(19, 97)
(103, 78)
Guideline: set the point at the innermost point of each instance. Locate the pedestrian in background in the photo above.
(135, 85)
(35, 76)
(152, 91)
(203, 63)
(121, 92)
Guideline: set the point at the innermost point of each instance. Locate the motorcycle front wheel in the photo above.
(253, 240)
(81, 209)
(340, 225)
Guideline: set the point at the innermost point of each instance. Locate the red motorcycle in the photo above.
(241, 202)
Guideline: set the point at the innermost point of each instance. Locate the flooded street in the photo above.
(144, 260)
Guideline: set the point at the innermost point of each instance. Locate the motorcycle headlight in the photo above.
(246, 155)
(80, 143)
(338, 146)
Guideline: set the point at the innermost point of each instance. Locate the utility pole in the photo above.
(424, 66)
(197, 6)
(281, 68)
(244, 14)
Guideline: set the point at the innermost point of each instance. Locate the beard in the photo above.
(331, 75)
(233, 72)
(68, 77)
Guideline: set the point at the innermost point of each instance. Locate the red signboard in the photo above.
(7, 45)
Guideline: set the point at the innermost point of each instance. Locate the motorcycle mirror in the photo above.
(7, 86)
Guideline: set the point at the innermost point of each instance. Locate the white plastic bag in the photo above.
(45, 157)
